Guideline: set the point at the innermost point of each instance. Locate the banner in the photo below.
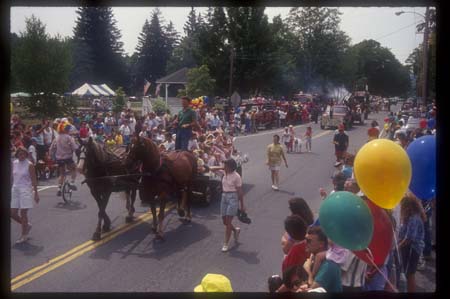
(146, 86)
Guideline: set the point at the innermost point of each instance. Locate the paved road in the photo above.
(60, 257)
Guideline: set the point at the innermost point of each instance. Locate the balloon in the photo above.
(422, 153)
(423, 123)
(383, 172)
(382, 236)
(346, 220)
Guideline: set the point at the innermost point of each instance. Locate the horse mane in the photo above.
(152, 159)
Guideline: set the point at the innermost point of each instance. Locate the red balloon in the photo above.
(382, 237)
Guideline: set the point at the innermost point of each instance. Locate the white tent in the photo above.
(93, 90)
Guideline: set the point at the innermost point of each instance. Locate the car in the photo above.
(341, 115)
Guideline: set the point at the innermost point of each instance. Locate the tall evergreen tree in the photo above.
(98, 51)
(155, 46)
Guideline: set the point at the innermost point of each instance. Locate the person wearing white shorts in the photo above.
(275, 153)
(24, 181)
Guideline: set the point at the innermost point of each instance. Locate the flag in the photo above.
(157, 90)
(146, 86)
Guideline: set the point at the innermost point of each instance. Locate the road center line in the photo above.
(72, 254)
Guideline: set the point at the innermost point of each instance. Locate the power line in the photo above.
(415, 23)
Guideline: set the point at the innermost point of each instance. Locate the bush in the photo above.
(159, 106)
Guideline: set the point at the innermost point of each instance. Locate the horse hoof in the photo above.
(96, 236)
(154, 230)
(129, 219)
(180, 212)
(106, 229)
(187, 220)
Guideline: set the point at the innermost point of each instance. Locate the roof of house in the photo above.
(178, 77)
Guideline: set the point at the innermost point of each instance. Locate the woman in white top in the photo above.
(23, 182)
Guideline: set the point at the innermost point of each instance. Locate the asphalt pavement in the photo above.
(61, 258)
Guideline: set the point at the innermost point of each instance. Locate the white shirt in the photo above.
(32, 152)
(353, 270)
(170, 146)
(192, 145)
(21, 174)
(282, 114)
(48, 136)
(125, 130)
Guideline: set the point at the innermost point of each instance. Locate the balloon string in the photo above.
(379, 271)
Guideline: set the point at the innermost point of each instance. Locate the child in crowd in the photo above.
(308, 138)
(411, 237)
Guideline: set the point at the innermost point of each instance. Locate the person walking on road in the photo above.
(340, 141)
(232, 199)
(308, 138)
(275, 153)
(186, 120)
(23, 183)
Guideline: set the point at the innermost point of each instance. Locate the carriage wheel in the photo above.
(66, 192)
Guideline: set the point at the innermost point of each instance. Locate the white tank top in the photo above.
(21, 173)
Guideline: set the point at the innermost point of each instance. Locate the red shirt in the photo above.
(373, 132)
(297, 256)
(84, 132)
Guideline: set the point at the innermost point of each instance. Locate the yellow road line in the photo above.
(76, 252)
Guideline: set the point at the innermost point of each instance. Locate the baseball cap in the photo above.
(214, 283)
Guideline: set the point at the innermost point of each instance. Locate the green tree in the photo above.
(155, 46)
(199, 82)
(159, 106)
(41, 66)
(119, 101)
(385, 75)
(98, 51)
(322, 45)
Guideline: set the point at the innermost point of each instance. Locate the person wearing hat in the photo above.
(275, 153)
(340, 141)
(185, 121)
(23, 183)
(214, 283)
(64, 146)
(232, 199)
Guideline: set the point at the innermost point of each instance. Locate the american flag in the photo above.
(146, 86)
(157, 89)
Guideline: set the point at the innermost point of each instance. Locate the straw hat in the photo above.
(214, 283)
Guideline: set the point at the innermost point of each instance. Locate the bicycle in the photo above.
(66, 190)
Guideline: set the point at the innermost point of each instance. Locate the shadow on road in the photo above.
(28, 249)
(71, 206)
(140, 242)
(248, 257)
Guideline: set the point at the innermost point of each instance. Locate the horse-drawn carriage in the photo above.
(157, 177)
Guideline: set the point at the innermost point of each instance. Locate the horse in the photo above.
(105, 173)
(163, 175)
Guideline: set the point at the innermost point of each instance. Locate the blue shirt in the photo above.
(413, 230)
(329, 277)
(431, 123)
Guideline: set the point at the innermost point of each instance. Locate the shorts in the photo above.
(229, 204)
(339, 154)
(63, 162)
(21, 198)
(275, 167)
(410, 259)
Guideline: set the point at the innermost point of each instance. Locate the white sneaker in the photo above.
(275, 188)
(225, 248)
(236, 233)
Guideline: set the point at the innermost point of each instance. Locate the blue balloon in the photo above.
(422, 153)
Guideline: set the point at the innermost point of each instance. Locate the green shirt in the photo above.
(186, 116)
(329, 277)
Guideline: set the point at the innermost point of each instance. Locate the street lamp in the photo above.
(425, 52)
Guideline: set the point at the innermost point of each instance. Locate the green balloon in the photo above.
(346, 220)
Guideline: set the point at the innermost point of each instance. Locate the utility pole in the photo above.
(425, 59)
(231, 70)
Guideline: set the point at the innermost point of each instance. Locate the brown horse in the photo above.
(105, 173)
(164, 174)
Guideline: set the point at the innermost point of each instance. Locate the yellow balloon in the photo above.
(383, 172)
